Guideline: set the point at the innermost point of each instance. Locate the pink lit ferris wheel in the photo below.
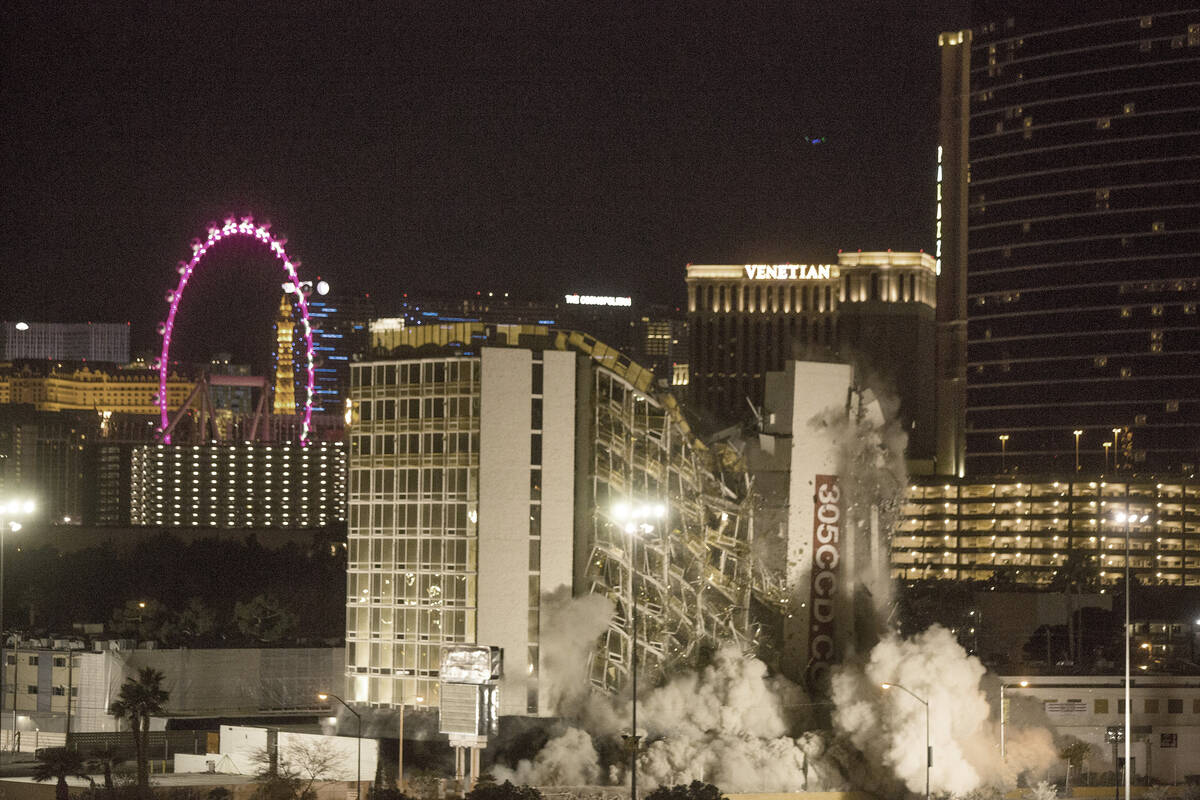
(246, 229)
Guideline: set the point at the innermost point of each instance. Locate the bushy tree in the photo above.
(1075, 754)
(377, 792)
(106, 759)
(503, 791)
(1043, 791)
(293, 773)
(264, 619)
(696, 790)
(58, 764)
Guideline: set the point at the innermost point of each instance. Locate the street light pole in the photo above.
(358, 718)
(631, 517)
(1128, 518)
(1004, 712)
(928, 746)
(1106, 446)
(9, 509)
(1003, 447)
(1077, 433)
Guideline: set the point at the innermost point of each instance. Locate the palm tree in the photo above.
(59, 763)
(138, 700)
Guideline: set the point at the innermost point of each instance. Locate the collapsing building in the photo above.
(828, 480)
(487, 464)
(492, 465)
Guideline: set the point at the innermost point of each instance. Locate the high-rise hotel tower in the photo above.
(1069, 226)
(874, 310)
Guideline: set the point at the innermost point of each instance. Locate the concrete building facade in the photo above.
(40, 676)
(1164, 718)
(486, 464)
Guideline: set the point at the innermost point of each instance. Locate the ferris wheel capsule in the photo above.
(162, 329)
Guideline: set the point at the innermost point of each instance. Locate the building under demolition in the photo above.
(488, 467)
(491, 466)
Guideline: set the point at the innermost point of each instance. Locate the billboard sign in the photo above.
(826, 558)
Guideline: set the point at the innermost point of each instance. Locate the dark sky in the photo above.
(585, 146)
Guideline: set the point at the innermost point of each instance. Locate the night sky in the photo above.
(436, 146)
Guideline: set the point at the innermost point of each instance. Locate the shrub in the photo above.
(694, 791)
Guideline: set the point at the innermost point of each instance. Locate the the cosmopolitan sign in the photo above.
(598, 300)
(827, 527)
(789, 272)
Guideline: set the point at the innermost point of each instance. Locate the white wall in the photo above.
(240, 744)
(345, 746)
(815, 390)
(558, 470)
(504, 450)
(558, 485)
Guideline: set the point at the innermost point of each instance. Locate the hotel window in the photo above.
(1174, 705)
(1151, 705)
(1101, 706)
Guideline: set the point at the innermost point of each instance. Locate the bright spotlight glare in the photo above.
(322, 287)
(22, 326)
(289, 287)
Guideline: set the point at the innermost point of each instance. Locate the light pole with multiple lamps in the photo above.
(323, 696)
(10, 508)
(928, 746)
(1127, 519)
(635, 519)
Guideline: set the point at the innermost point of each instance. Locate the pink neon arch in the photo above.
(248, 229)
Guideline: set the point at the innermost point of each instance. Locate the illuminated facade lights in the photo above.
(227, 482)
(1033, 527)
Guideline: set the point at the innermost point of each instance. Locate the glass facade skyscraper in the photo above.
(1072, 160)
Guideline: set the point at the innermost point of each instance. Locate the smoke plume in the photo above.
(888, 726)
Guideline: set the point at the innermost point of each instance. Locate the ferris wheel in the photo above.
(245, 229)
